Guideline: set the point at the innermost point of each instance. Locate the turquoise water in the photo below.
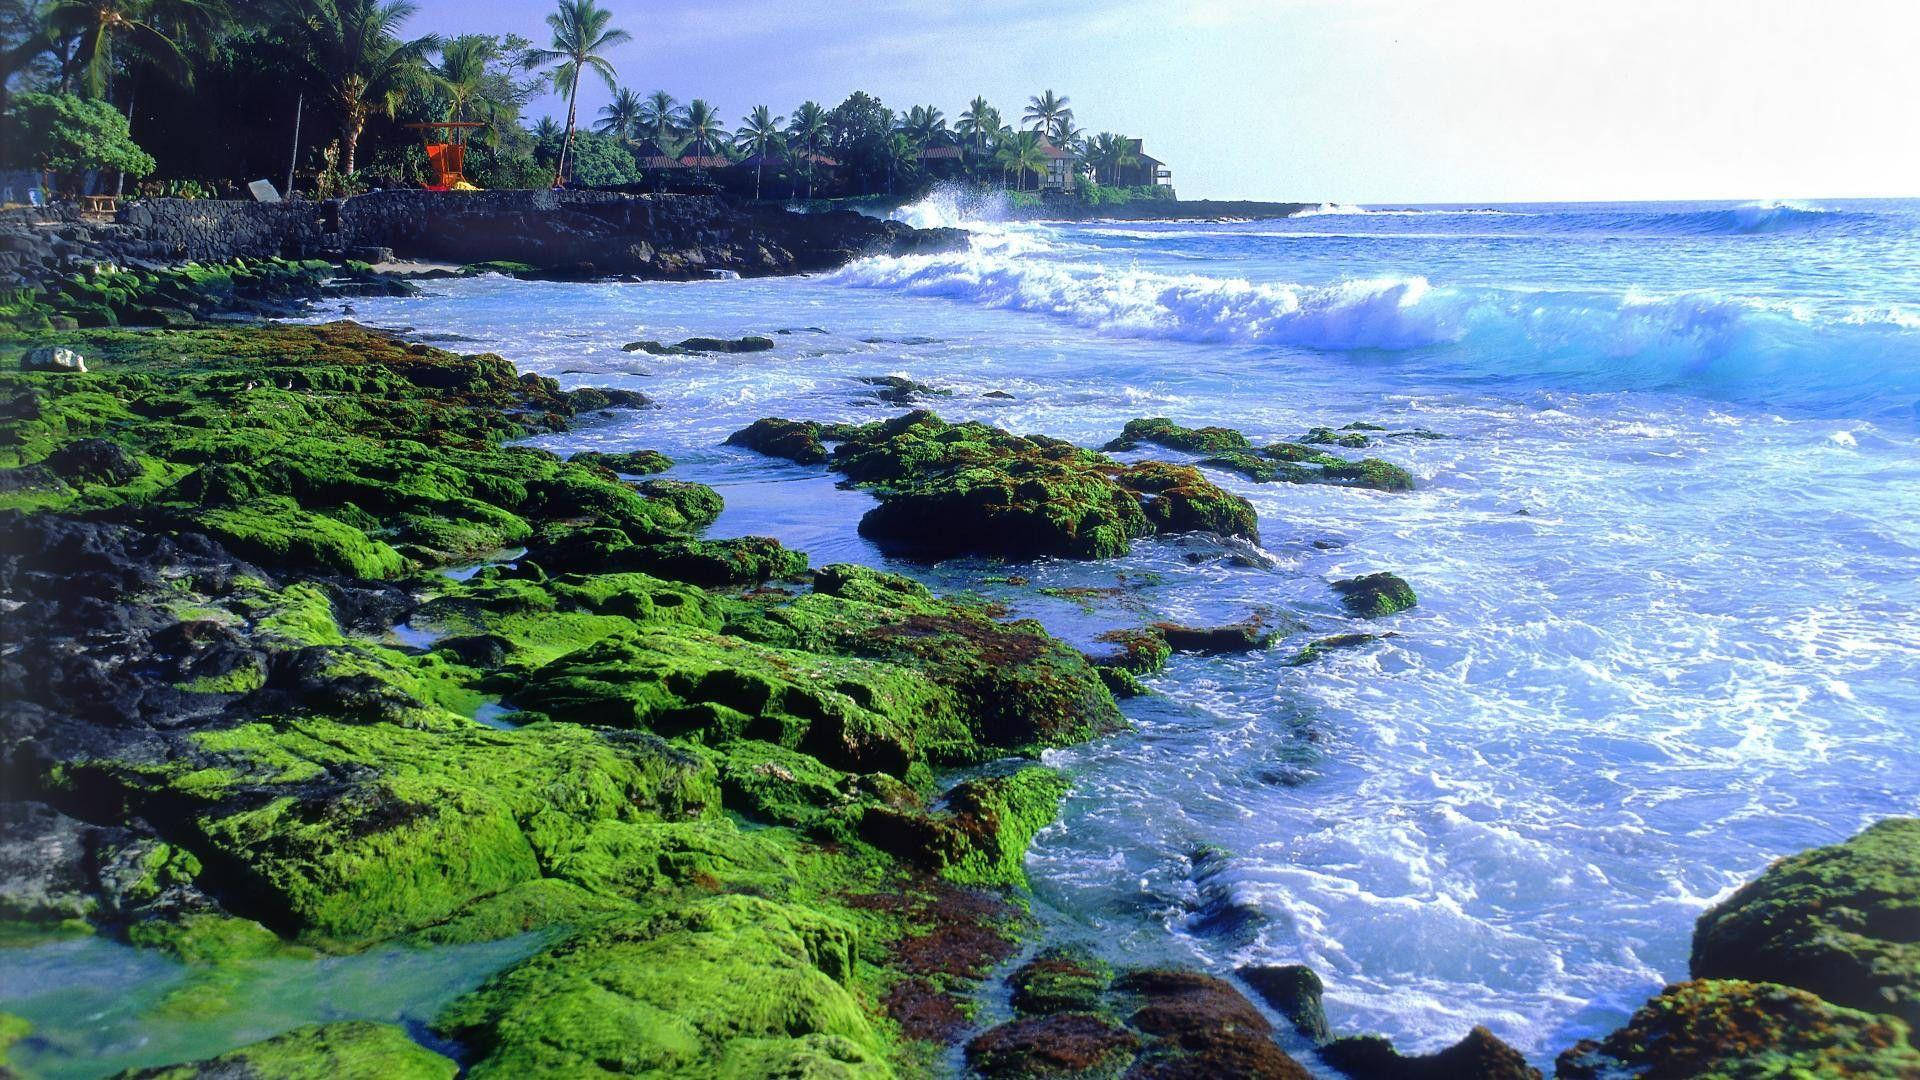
(1666, 559)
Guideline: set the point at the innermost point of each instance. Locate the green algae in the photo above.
(354, 1048)
(1161, 431)
(1838, 921)
(718, 988)
(1716, 1029)
(687, 749)
(953, 489)
(1374, 596)
(1301, 462)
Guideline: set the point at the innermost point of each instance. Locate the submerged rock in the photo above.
(351, 1048)
(1841, 921)
(1060, 979)
(1732, 1028)
(1372, 596)
(694, 346)
(1249, 636)
(1204, 1027)
(1320, 647)
(1284, 462)
(1480, 1054)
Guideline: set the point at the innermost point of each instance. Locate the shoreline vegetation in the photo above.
(762, 818)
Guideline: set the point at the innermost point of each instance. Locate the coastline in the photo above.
(1166, 210)
(1116, 1002)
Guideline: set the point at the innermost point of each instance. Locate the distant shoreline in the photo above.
(1170, 210)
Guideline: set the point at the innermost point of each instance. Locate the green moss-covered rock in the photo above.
(1372, 596)
(1715, 1029)
(954, 489)
(723, 987)
(1840, 921)
(632, 462)
(1161, 431)
(349, 1050)
(1060, 979)
(980, 835)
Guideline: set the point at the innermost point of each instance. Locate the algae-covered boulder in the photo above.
(955, 489)
(1294, 991)
(348, 1050)
(980, 836)
(630, 462)
(1479, 1054)
(1841, 921)
(1373, 596)
(1163, 432)
(726, 987)
(1060, 979)
(1722, 1029)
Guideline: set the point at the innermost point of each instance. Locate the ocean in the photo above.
(1666, 554)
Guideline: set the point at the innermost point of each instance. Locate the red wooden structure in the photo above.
(446, 158)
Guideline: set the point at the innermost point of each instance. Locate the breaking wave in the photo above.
(1702, 342)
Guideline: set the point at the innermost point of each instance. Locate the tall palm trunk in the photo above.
(756, 175)
(120, 177)
(566, 145)
(350, 136)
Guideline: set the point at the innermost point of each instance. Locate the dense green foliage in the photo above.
(63, 133)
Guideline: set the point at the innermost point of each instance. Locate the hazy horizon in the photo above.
(1373, 101)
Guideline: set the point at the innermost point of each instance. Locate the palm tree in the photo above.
(462, 74)
(621, 116)
(1021, 153)
(806, 131)
(702, 126)
(580, 35)
(758, 134)
(149, 29)
(925, 125)
(661, 117)
(546, 128)
(354, 48)
(1044, 112)
(1113, 151)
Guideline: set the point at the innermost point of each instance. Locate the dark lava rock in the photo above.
(896, 390)
(1478, 1056)
(1841, 921)
(1730, 1028)
(795, 440)
(1249, 636)
(1372, 596)
(594, 399)
(1062, 1045)
(1294, 991)
(1059, 979)
(632, 463)
(1206, 1028)
(694, 346)
(93, 461)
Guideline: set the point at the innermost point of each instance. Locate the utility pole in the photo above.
(299, 107)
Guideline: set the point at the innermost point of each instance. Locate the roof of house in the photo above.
(932, 153)
(1052, 152)
(695, 161)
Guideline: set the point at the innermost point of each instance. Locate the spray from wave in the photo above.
(951, 206)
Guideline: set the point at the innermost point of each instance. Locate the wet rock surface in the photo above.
(954, 489)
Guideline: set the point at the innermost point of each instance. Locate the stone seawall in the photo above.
(585, 233)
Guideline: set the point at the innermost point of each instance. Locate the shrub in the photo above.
(63, 133)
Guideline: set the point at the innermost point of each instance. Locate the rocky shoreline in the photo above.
(582, 234)
(763, 818)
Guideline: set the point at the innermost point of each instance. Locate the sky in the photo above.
(1354, 101)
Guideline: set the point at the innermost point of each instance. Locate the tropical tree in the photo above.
(925, 125)
(807, 132)
(62, 133)
(1021, 154)
(661, 117)
(354, 49)
(580, 36)
(976, 127)
(702, 126)
(1044, 111)
(152, 30)
(621, 116)
(546, 129)
(759, 133)
(465, 76)
(1111, 151)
